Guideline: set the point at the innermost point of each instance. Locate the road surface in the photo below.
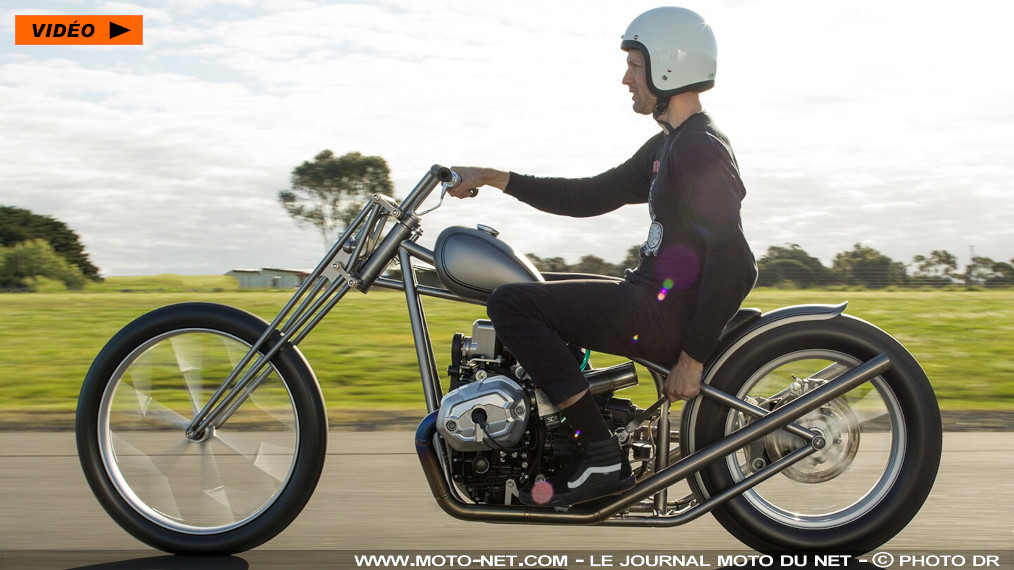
(373, 496)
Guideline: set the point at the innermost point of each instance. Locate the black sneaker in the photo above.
(601, 472)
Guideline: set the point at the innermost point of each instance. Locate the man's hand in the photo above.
(684, 380)
(472, 178)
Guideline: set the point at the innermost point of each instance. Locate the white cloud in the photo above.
(888, 125)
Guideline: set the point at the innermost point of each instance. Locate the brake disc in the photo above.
(838, 425)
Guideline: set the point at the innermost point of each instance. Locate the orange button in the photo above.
(78, 30)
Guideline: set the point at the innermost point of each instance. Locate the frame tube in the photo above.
(421, 335)
(655, 483)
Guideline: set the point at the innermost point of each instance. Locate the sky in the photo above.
(885, 123)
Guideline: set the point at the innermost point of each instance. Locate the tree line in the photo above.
(789, 266)
(36, 251)
(327, 193)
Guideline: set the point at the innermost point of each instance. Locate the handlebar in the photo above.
(437, 175)
(454, 182)
(445, 175)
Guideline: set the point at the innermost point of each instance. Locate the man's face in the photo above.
(636, 80)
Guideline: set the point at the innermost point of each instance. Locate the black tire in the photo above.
(880, 462)
(235, 489)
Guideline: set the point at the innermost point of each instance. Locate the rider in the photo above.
(695, 266)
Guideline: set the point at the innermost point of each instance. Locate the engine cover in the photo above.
(499, 399)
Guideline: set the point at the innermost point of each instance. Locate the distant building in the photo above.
(268, 278)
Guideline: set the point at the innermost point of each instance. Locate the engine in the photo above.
(492, 411)
(501, 431)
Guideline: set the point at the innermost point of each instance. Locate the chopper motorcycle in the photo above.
(202, 429)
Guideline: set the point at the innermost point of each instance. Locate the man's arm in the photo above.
(577, 197)
(728, 270)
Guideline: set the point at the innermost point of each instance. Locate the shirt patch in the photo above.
(654, 240)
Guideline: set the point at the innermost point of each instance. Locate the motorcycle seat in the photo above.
(741, 318)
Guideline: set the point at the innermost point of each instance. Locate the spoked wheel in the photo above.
(226, 490)
(882, 451)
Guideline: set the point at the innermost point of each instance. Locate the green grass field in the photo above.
(363, 353)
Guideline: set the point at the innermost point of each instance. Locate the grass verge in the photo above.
(364, 358)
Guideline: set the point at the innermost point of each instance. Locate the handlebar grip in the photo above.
(454, 181)
(441, 173)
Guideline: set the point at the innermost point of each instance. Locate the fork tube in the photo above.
(241, 393)
(386, 251)
(310, 282)
(365, 231)
(422, 190)
(253, 377)
(245, 386)
(423, 347)
(321, 283)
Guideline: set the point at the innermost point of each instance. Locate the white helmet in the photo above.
(679, 48)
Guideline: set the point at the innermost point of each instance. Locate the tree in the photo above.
(867, 267)
(937, 270)
(18, 225)
(23, 264)
(549, 264)
(985, 271)
(633, 258)
(596, 266)
(790, 264)
(328, 192)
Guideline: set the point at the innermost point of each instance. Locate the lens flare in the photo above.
(666, 286)
(542, 492)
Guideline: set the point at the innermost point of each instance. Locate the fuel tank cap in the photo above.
(487, 229)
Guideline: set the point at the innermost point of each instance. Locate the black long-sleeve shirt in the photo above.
(695, 249)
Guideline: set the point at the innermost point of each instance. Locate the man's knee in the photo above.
(500, 301)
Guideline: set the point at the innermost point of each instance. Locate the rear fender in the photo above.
(736, 338)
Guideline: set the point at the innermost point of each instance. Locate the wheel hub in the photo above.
(200, 437)
(838, 425)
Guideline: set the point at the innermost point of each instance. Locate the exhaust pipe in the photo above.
(611, 379)
(599, 511)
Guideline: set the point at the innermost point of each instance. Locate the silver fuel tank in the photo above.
(472, 262)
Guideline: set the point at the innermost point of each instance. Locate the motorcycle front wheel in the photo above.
(230, 490)
(881, 456)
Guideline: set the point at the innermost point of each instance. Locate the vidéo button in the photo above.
(79, 30)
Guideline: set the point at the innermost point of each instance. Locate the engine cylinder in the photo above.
(497, 402)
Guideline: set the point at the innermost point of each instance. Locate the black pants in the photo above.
(536, 321)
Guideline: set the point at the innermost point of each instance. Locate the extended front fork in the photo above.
(355, 261)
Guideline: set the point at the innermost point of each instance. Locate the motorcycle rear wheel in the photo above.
(229, 491)
(883, 442)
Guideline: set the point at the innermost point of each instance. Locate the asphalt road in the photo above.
(373, 496)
